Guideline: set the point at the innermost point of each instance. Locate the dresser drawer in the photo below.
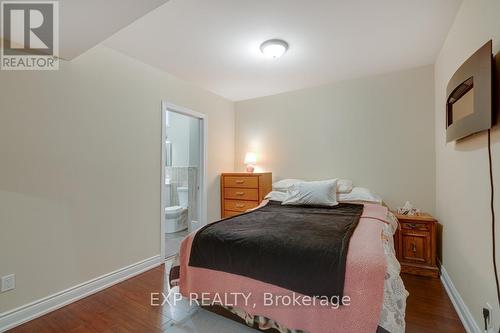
(241, 193)
(415, 226)
(228, 213)
(239, 205)
(242, 182)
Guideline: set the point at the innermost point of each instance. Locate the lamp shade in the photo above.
(250, 158)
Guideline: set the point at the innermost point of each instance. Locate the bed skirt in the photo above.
(259, 323)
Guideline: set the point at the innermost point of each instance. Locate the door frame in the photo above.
(202, 176)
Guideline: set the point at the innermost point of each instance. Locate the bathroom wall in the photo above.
(194, 142)
(184, 134)
(178, 135)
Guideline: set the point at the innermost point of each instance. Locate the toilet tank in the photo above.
(182, 192)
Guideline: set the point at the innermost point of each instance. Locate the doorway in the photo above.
(183, 173)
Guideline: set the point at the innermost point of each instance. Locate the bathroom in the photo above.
(182, 173)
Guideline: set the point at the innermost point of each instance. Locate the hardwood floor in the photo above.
(428, 308)
(126, 308)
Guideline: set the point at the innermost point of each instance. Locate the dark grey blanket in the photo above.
(303, 249)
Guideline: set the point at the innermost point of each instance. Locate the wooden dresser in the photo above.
(242, 191)
(415, 244)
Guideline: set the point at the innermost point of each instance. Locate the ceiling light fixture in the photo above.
(274, 48)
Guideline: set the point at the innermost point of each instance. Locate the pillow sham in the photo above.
(321, 193)
(284, 185)
(344, 185)
(360, 194)
(276, 196)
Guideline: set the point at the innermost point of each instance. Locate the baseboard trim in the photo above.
(22, 314)
(466, 317)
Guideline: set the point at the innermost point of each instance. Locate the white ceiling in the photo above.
(215, 44)
(85, 23)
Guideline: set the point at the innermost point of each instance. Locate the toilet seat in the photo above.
(175, 219)
(174, 209)
(173, 212)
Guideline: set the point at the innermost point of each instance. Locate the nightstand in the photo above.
(242, 191)
(415, 244)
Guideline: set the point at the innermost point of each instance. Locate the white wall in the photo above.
(462, 180)
(184, 134)
(194, 142)
(178, 133)
(377, 131)
(80, 168)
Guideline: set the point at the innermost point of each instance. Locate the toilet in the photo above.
(176, 216)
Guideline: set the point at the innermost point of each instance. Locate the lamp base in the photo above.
(250, 168)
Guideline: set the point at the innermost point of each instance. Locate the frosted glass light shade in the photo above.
(250, 158)
(274, 48)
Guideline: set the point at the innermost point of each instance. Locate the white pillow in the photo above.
(359, 194)
(321, 193)
(343, 185)
(276, 196)
(285, 184)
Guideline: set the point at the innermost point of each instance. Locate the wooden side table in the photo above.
(415, 244)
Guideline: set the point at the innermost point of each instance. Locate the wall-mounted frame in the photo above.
(470, 105)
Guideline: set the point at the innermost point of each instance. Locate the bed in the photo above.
(370, 278)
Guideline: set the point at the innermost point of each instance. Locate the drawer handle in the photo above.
(414, 247)
(240, 193)
(240, 205)
(412, 225)
(240, 181)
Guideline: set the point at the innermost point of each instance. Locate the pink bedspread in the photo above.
(364, 284)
